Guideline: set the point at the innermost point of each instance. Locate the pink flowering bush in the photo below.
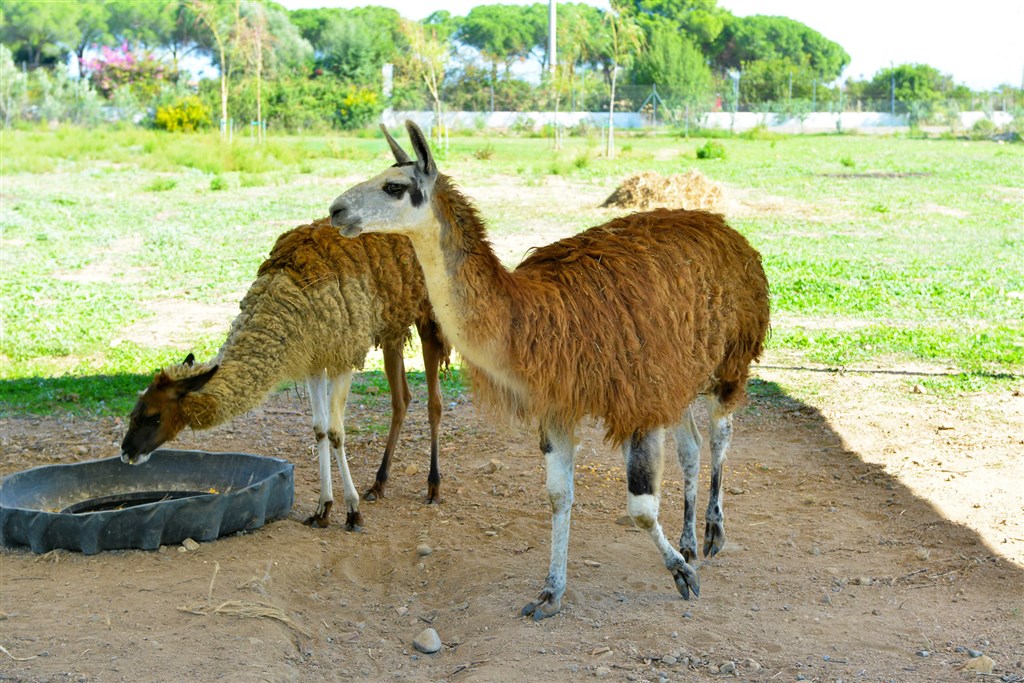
(116, 67)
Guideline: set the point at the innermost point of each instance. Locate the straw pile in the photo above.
(650, 190)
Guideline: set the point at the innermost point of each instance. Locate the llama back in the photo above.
(319, 301)
(316, 256)
(646, 302)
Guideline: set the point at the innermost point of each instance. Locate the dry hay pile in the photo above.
(649, 190)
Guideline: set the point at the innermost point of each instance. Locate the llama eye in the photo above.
(395, 189)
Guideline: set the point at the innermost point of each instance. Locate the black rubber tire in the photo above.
(223, 493)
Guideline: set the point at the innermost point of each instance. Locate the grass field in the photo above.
(893, 251)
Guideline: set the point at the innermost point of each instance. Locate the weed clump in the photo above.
(712, 149)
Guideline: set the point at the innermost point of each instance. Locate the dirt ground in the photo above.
(871, 538)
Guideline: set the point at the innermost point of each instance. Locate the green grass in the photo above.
(878, 250)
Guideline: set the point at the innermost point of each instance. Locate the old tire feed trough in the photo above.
(108, 505)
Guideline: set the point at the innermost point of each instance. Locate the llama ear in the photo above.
(424, 159)
(190, 384)
(189, 360)
(396, 149)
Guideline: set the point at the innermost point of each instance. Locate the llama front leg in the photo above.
(433, 352)
(688, 451)
(644, 454)
(394, 368)
(559, 448)
(340, 386)
(721, 436)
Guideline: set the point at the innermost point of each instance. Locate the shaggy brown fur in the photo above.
(320, 302)
(627, 321)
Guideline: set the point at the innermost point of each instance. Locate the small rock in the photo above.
(974, 653)
(591, 563)
(826, 599)
(712, 669)
(863, 581)
(982, 665)
(427, 642)
(752, 664)
(189, 545)
(669, 660)
(402, 611)
(423, 550)
(625, 520)
(918, 389)
(736, 490)
(727, 667)
(687, 614)
(492, 467)
(924, 653)
(411, 470)
(675, 634)
(602, 671)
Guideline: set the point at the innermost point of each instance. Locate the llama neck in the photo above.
(249, 370)
(469, 288)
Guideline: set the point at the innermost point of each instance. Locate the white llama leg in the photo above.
(318, 399)
(336, 436)
(721, 435)
(644, 454)
(559, 448)
(688, 451)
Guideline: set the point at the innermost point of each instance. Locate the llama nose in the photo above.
(338, 212)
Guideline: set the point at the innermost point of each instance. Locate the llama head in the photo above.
(157, 416)
(395, 201)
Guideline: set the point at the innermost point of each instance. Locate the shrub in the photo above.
(484, 153)
(359, 108)
(161, 185)
(983, 129)
(218, 183)
(711, 149)
(187, 114)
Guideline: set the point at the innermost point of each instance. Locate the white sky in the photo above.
(980, 42)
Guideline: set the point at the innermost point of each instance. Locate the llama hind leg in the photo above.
(720, 419)
(340, 386)
(688, 451)
(559, 448)
(394, 368)
(318, 399)
(644, 455)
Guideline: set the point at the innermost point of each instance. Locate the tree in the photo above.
(352, 44)
(40, 32)
(750, 39)
(502, 33)
(623, 39)
(221, 21)
(918, 88)
(427, 60)
(701, 20)
(672, 60)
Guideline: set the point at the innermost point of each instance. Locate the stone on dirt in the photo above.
(427, 642)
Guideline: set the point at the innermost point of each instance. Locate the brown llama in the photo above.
(629, 321)
(317, 306)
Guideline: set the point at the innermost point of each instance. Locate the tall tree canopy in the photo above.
(503, 33)
(759, 37)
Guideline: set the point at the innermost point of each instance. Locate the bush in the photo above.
(983, 129)
(359, 108)
(187, 114)
(711, 150)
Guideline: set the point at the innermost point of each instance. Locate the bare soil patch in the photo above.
(842, 560)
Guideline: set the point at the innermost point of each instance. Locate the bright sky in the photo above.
(979, 42)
